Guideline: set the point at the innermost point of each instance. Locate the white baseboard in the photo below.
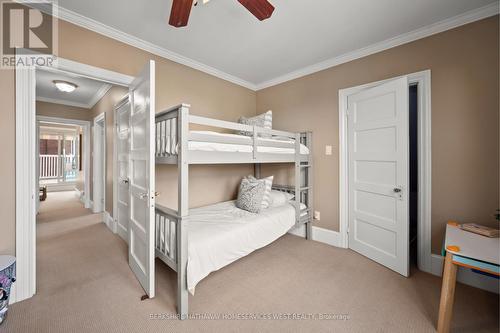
(322, 235)
(81, 195)
(465, 276)
(109, 221)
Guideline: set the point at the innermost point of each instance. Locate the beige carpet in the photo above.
(85, 285)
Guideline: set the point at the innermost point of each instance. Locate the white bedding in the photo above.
(222, 233)
(237, 148)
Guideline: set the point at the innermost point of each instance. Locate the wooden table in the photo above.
(469, 250)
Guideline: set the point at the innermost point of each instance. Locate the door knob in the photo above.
(157, 194)
(397, 190)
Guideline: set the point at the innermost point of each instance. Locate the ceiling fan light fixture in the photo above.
(179, 14)
(261, 9)
(65, 86)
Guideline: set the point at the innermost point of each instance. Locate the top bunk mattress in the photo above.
(244, 145)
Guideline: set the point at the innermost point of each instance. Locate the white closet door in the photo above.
(142, 178)
(378, 174)
(122, 123)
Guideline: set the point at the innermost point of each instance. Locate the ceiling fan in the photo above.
(181, 9)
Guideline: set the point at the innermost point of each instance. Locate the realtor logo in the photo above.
(28, 32)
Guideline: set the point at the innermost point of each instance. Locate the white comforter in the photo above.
(221, 234)
(242, 148)
(173, 148)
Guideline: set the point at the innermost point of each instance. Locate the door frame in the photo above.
(85, 125)
(26, 187)
(423, 80)
(99, 184)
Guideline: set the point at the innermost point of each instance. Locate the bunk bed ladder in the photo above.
(304, 182)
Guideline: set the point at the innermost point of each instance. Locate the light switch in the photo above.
(328, 150)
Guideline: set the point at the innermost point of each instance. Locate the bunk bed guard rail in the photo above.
(172, 127)
(166, 221)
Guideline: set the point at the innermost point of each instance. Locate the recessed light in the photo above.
(65, 86)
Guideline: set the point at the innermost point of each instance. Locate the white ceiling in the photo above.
(224, 39)
(88, 93)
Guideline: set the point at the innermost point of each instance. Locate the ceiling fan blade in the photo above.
(179, 15)
(261, 9)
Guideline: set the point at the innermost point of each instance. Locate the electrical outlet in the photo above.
(317, 215)
(328, 150)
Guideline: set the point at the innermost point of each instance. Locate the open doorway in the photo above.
(99, 164)
(70, 164)
(385, 171)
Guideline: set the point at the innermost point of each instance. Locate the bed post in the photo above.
(310, 192)
(298, 173)
(257, 170)
(183, 211)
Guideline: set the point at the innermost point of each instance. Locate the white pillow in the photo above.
(279, 198)
(266, 200)
(264, 120)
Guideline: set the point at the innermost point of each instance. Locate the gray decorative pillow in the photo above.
(250, 195)
(264, 120)
(266, 200)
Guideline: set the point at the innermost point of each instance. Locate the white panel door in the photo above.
(378, 174)
(142, 178)
(122, 123)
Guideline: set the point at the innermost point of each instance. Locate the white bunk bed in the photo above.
(176, 144)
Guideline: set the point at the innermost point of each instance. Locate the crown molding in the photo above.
(98, 95)
(447, 24)
(450, 23)
(61, 101)
(93, 25)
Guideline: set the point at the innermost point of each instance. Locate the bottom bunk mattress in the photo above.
(222, 233)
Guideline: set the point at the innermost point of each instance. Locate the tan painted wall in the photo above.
(8, 165)
(175, 83)
(465, 125)
(62, 111)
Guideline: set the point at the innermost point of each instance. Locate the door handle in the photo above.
(157, 194)
(397, 190)
(124, 180)
(143, 195)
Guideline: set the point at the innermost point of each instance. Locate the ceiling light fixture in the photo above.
(65, 86)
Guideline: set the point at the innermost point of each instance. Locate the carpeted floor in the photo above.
(85, 285)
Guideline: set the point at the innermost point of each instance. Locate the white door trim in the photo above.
(26, 187)
(98, 165)
(423, 79)
(85, 148)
